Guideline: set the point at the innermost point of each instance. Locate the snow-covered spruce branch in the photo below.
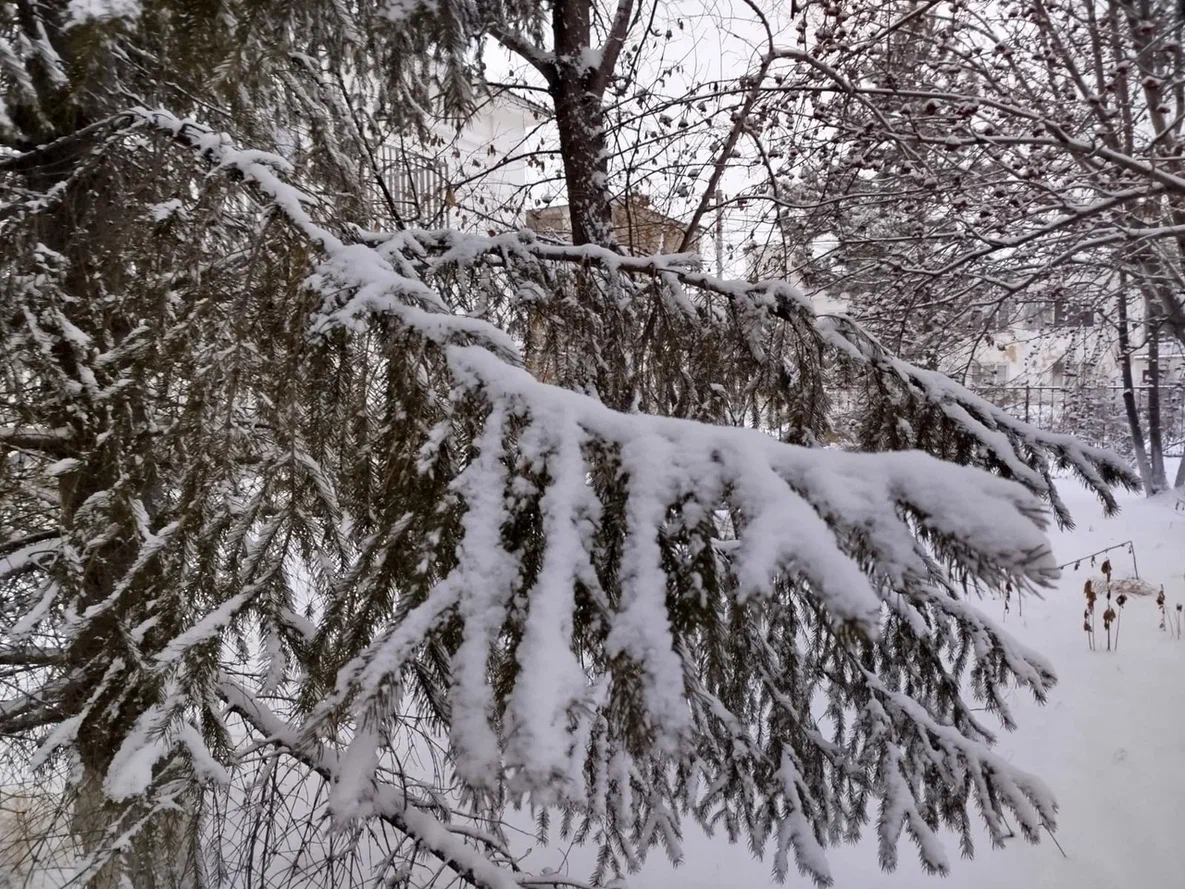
(1002, 435)
(1020, 450)
(821, 542)
(975, 416)
(53, 443)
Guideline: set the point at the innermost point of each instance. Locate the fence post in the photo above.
(1026, 402)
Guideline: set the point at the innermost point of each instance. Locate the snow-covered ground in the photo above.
(1110, 741)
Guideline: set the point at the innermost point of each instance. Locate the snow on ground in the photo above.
(1110, 741)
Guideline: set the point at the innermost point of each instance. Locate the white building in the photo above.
(470, 175)
(1050, 343)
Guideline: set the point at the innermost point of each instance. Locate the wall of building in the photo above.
(487, 162)
(640, 229)
(470, 175)
(1074, 351)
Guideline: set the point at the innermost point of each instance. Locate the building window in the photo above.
(1056, 313)
(1066, 315)
(1004, 315)
(1057, 373)
(1037, 314)
(986, 375)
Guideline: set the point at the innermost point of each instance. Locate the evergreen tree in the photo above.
(439, 524)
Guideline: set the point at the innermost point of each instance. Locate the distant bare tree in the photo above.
(973, 159)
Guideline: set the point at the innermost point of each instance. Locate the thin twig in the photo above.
(1131, 548)
(1056, 843)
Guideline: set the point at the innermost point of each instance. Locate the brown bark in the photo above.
(581, 123)
(80, 229)
(582, 144)
(577, 75)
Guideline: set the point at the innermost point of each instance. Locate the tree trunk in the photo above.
(582, 141)
(1155, 440)
(1129, 393)
(79, 228)
(581, 121)
(90, 817)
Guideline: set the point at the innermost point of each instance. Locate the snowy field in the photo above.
(1110, 741)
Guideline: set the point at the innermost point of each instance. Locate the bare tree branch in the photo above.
(612, 48)
(541, 61)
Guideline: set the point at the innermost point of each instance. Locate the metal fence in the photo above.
(1093, 413)
(415, 183)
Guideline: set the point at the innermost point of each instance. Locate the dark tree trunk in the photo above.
(78, 231)
(582, 142)
(1129, 389)
(580, 119)
(1155, 442)
(54, 129)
